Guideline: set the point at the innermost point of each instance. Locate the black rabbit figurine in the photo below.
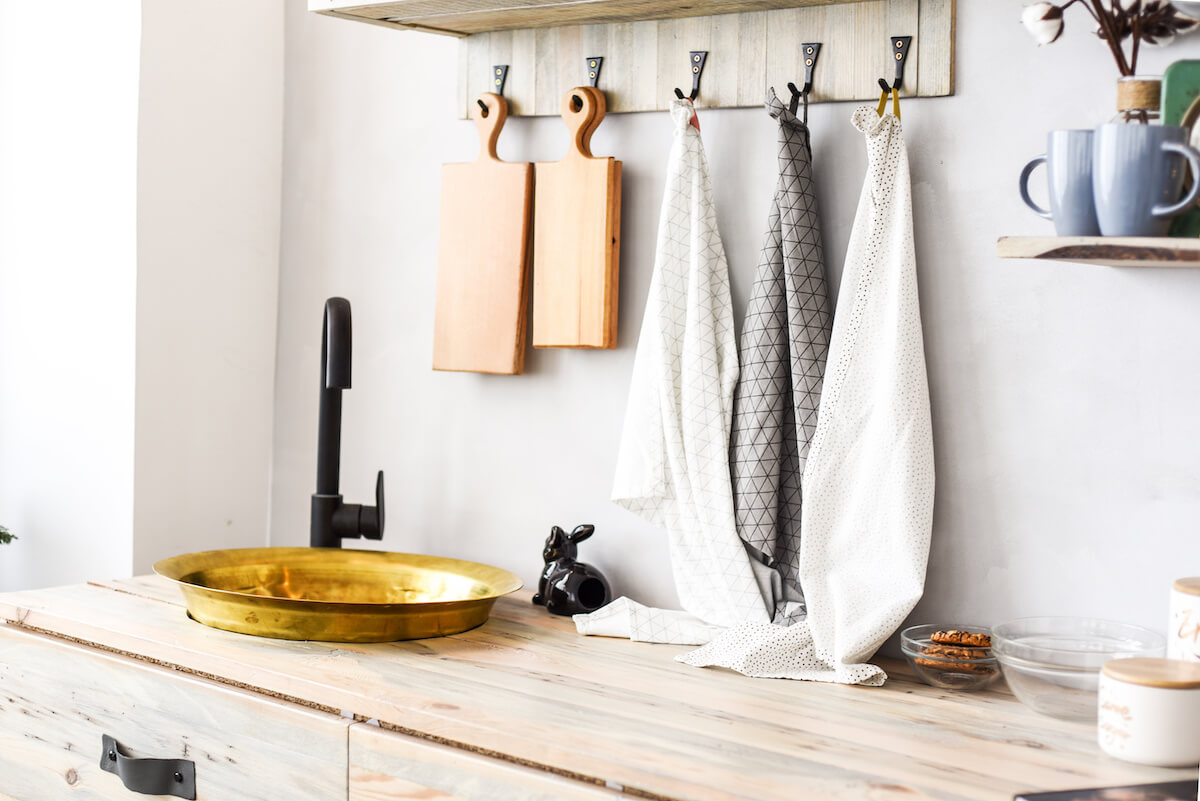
(568, 587)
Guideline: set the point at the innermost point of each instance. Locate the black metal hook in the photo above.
(812, 51)
(594, 63)
(696, 59)
(899, 50)
(499, 76)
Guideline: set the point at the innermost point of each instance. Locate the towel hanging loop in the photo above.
(794, 103)
(696, 59)
(594, 63)
(498, 77)
(895, 93)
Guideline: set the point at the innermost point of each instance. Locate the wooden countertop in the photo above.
(527, 688)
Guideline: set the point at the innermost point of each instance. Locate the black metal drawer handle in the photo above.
(150, 776)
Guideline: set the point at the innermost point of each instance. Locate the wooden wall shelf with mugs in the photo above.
(752, 44)
(1109, 251)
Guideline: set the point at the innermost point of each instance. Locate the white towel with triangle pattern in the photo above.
(673, 461)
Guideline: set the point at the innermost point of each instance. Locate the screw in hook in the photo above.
(178, 777)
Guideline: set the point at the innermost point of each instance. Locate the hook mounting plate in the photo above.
(594, 63)
(899, 53)
(811, 52)
(499, 76)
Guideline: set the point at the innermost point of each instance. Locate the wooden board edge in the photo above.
(614, 268)
(1105, 251)
(385, 23)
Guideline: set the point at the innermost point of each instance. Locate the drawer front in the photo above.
(57, 700)
(387, 766)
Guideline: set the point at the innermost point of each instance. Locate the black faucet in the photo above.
(333, 520)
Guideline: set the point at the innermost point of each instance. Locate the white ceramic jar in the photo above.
(1149, 711)
(1183, 629)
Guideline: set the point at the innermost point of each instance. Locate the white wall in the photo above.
(1064, 396)
(68, 139)
(209, 159)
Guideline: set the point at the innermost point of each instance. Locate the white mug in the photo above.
(1148, 711)
(1183, 628)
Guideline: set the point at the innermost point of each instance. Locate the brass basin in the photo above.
(335, 594)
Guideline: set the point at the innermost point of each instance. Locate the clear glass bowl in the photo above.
(972, 669)
(1052, 664)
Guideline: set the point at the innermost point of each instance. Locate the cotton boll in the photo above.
(1044, 21)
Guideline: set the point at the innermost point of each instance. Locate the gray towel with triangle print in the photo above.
(784, 344)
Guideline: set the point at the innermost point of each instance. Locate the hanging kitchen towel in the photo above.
(785, 339)
(673, 461)
(868, 482)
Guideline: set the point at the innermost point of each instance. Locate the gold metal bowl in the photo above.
(335, 594)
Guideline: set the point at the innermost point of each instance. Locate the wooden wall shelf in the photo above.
(752, 44)
(1109, 251)
(466, 17)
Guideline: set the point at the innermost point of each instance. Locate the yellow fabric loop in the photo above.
(883, 97)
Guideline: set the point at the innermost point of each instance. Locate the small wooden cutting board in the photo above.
(577, 231)
(483, 256)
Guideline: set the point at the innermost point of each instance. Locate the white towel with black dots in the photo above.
(673, 461)
(868, 482)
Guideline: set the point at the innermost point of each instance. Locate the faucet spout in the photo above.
(332, 519)
(335, 376)
(336, 339)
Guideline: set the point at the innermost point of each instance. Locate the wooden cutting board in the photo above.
(577, 231)
(483, 256)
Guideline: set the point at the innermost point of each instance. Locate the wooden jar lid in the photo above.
(1188, 586)
(1172, 674)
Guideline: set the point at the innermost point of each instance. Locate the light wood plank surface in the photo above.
(526, 687)
(474, 16)
(747, 52)
(752, 44)
(385, 765)
(1108, 251)
(57, 700)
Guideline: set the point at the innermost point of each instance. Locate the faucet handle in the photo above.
(371, 519)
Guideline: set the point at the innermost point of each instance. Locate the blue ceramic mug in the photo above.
(1137, 175)
(1068, 160)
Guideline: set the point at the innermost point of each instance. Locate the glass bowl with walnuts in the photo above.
(951, 657)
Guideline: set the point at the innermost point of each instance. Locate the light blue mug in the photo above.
(1068, 160)
(1137, 175)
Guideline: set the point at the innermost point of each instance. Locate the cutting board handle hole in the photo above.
(576, 103)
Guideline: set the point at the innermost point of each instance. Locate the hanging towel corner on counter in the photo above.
(868, 480)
